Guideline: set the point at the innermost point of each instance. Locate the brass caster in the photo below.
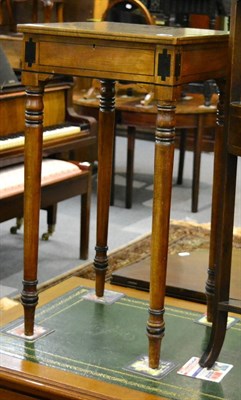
(14, 229)
(46, 235)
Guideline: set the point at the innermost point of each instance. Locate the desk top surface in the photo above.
(127, 32)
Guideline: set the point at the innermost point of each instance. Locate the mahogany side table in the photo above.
(164, 56)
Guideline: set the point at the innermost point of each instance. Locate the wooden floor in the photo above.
(25, 380)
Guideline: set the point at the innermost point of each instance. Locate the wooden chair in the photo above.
(9, 12)
(129, 11)
(228, 149)
(61, 180)
(48, 6)
(193, 123)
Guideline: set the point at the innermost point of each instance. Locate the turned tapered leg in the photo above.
(112, 194)
(218, 175)
(32, 191)
(85, 217)
(131, 133)
(196, 163)
(182, 148)
(164, 154)
(105, 154)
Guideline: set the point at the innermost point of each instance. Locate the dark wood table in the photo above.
(140, 121)
(166, 57)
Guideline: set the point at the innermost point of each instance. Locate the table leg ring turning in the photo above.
(29, 300)
(155, 332)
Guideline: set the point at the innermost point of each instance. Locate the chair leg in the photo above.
(85, 220)
(197, 163)
(12, 21)
(182, 146)
(48, 13)
(60, 11)
(112, 194)
(1, 13)
(85, 215)
(48, 8)
(131, 134)
(51, 221)
(35, 11)
(19, 223)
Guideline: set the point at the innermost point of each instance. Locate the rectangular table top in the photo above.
(129, 32)
(139, 53)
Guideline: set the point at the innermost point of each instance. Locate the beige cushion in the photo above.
(12, 178)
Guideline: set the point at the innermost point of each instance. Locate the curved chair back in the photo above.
(129, 11)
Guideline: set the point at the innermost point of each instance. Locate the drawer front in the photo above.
(129, 61)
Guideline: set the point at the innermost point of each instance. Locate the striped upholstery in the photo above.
(12, 178)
